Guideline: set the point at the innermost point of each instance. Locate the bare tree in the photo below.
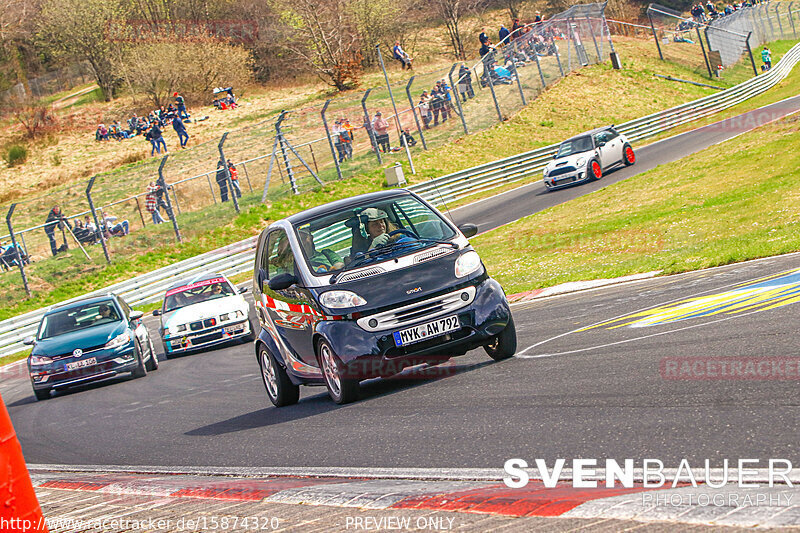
(452, 13)
(77, 28)
(322, 34)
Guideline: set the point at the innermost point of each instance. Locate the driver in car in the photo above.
(378, 227)
(104, 313)
(324, 260)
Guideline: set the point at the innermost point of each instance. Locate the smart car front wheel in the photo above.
(341, 389)
(504, 344)
(280, 389)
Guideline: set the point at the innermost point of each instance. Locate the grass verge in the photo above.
(729, 203)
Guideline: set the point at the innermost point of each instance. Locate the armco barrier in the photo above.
(237, 257)
(19, 508)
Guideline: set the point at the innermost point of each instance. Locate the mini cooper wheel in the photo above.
(341, 389)
(152, 363)
(504, 344)
(595, 170)
(628, 156)
(140, 371)
(280, 389)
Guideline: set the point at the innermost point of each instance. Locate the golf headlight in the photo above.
(580, 161)
(467, 263)
(119, 340)
(341, 299)
(38, 360)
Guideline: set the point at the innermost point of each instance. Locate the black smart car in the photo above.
(365, 287)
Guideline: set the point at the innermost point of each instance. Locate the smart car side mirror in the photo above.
(468, 229)
(157, 312)
(282, 282)
(136, 315)
(30, 340)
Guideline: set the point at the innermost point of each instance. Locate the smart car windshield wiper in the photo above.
(385, 249)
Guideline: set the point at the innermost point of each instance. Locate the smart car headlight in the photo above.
(580, 161)
(38, 360)
(119, 340)
(341, 299)
(468, 263)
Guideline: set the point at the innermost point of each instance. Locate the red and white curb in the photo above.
(761, 506)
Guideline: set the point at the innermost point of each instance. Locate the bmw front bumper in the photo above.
(195, 340)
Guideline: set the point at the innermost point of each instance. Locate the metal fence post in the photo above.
(708, 42)
(778, 16)
(139, 208)
(558, 58)
(750, 53)
(486, 72)
(391, 95)
(247, 176)
(228, 179)
(163, 185)
(414, 111)
(16, 249)
(516, 74)
(539, 67)
(330, 142)
(368, 127)
(175, 198)
(703, 48)
(458, 97)
(96, 221)
(655, 36)
(594, 39)
(794, 31)
(769, 21)
(211, 188)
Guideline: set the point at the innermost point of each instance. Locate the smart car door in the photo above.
(289, 309)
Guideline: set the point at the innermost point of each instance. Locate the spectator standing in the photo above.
(766, 57)
(222, 180)
(55, 219)
(465, 82)
(180, 129)
(350, 129)
(425, 109)
(337, 140)
(381, 128)
(537, 18)
(151, 202)
(483, 38)
(179, 101)
(234, 179)
(515, 26)
(158, 137)
(503, 33)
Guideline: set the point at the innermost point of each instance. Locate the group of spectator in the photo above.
(85, 231)
(151, 126)
(440, 100)
(703, 14)
(11, 255)
(222, 179)
(343, 137)
(224, 102)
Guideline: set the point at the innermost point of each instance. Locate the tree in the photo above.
(452, 12)
(377, 21)
(204, 64)
(77, 28)
(322, 34)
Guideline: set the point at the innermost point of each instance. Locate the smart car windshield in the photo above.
(574, 146)
(197, 292)
(369, 233)
(78, 318)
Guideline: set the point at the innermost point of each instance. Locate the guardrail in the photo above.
(237, 258)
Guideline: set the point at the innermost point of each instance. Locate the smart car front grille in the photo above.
(408, 315)
(432, 254)
(562, 170)
(361, 274)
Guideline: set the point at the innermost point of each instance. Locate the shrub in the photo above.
(15, 154)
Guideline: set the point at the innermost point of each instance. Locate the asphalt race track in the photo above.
(595, 377)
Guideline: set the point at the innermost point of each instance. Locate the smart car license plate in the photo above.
(425, 331)
(80, 364)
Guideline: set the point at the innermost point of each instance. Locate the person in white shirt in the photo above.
(114, 228)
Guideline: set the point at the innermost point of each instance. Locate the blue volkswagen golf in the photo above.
(88, 340)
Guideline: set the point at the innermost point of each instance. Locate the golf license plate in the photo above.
(80, 364)
(437, 327)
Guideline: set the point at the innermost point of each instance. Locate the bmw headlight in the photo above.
(38, 360)
(181, 327)
(341, 299)
(580, 161)
(468, 263)
(224, 317)
(119, 340)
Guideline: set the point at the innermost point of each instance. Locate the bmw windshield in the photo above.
(574, 146)
(78, 318)
(373, 232)
(197, 292)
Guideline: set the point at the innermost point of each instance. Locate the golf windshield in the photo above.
(373, 232)
(197, 292)
(574, 146)
(77, 318)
